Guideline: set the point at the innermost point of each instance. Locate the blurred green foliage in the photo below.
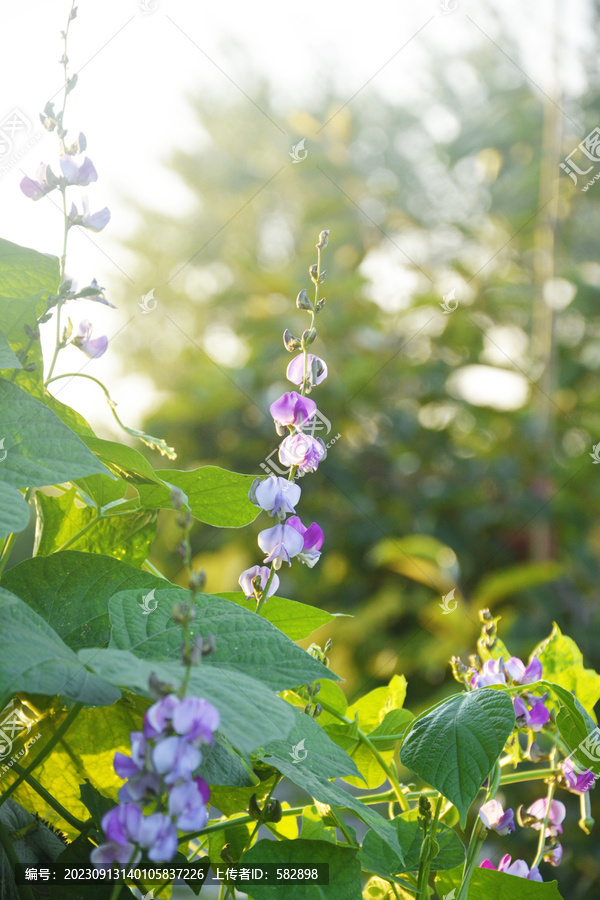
(424, 491)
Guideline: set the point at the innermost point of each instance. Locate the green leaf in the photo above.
(24, 271)
(313, 828)
(379, 706)
(61, 519)
(562, 663)
(79, 770)
(40, 449)
(8, 360)
(122, 461)
(34, 660)
(244, 641)
(344, 869)
(221, 765)
(14, 510)
(72, 590)
(376, 856)
(486, 884)
(297, 620)
(577, 728)
(214, 495)
(27, 278)
(454, 746)
(249, 711)
(310, 747)
(323, 790)
(100, 490)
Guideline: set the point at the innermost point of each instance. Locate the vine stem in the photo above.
(25, 892)
(44, 752)
(51, 801)
(388, 770)
(426, 860)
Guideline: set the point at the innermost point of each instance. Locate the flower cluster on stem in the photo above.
(294, 415)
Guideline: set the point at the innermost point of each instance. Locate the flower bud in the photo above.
(253, 807)
(308, 336)
(290, 342)
(184, 519)
(209, 645)
(320, 304)
(314, 273)
(323, 238)
(197, 580)
(328, 645)
(317, 711)
(302, 300)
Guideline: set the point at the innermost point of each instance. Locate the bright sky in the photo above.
(138, 60)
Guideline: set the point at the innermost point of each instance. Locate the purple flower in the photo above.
(494, 818)
(78, 174)
(518, 868)
(158, 716)
(121, 823)
(126, 766)
(521, 675)
(277, 496)
(303, 451)
(45, 182)
(187, 805)
(313, 541)
(175, 758)
(577, 780)
(316, 369)
(555, 817)
(195, 719)
(93, 221)
(158, 835)
(292, 409)
(534, 718)
(492, 672)
(554, 856)
(94, 348)
(110, 853)
(263, 573)
(280, 543)
(140, 788)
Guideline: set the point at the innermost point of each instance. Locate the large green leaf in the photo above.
(8, 360)
(297, 620)
(310, 747)
(214, 495)
(376, 856)
(85, 752)
(60, 519)
(40, 449)
(344, 869)
(562, 663)
(27, 278)
(323, 790)
(454, 746)
(250, 712)
(14, 511)
(72, 590)
(33, 659)
(244, 641)
(486, 884)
